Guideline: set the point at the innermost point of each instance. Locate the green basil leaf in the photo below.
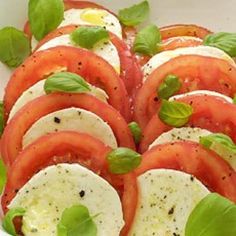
(136, 131)
(234, 100)
(66, 82)
(1, 118)
(87, 37)
(14, 46)
(218, 138)
(147, 40)
(123, 160)
(3, 175)
(174, 113)
(134, 15)
(7, 222)
(213, 216)
(76, 220)
(45, 16)
(223, 41)
(169, 87)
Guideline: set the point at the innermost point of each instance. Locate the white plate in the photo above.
(212, 14)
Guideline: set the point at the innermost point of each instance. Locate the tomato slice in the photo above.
(195, 72)
(130, 70)
(83, 62)
(184, 30)
(68, 147)
(192, 158)
(34, 110)
(209, 112)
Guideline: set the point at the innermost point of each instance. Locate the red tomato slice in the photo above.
(209, 112)
(34, 110)
(184, 30)
(192, 158)
(195, 72)
(83, 62)
(68, 147)
(130, 71)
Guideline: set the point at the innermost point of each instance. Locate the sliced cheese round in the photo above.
(71, 119)
(52, 190)
(163, 57)
(104, 49)
(167, 197)
(37, 90)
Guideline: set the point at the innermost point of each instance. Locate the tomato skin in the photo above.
(44, 105)
(192, 158)
(82, 4)
(209, 112)
(130, 70)
(195, 72)
(184, 30)
(83, 62)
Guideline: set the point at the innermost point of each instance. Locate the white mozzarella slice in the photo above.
(167, 197)
(163, 57)
(37, 90)
(202, 92)
(106, 49)
(71, 119)
(52, 190)
(93, 16)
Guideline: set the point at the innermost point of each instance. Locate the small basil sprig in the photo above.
(147, 40)
(45, 16)
(135, 14)
(7, 222)
(123, 160)
(223, 41)
(14, 46)
(87, 37)
(136, 131)
(1, 118)
(76, 220)
(169, 87)
(174, 113)
(66, 82)
(213, 216)
(218, 138)
(3, 175)
(234, 100)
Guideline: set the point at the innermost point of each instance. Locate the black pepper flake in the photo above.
(171, 211)
(192, 178)
(57, 120)
(155, 99)
(82, 193)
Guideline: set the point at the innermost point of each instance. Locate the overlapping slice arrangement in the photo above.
(111, 134)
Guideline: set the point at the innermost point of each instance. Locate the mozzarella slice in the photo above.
(105, 49)
(52, 190)
(71, 119)
(194, 134)
(37, 90)
(183, 39)
(163, 57)
(167, 197)
(202, 92)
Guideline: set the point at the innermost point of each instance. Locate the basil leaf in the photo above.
(87, 37)
(218, 138)
(136, 131)
(175, 114)
(234, 100)
(169, 87)
(14, 46)
(213, 216)
(146, 41)
(1, 118)
(7, 222)
(76, 220)
(223, 41)
(66, 82)
(134, 15)
(123, 160)
(45, 16)
(3, 175)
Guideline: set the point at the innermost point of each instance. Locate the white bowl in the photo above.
(212, 14)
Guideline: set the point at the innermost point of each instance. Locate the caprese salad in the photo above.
(107, 130)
